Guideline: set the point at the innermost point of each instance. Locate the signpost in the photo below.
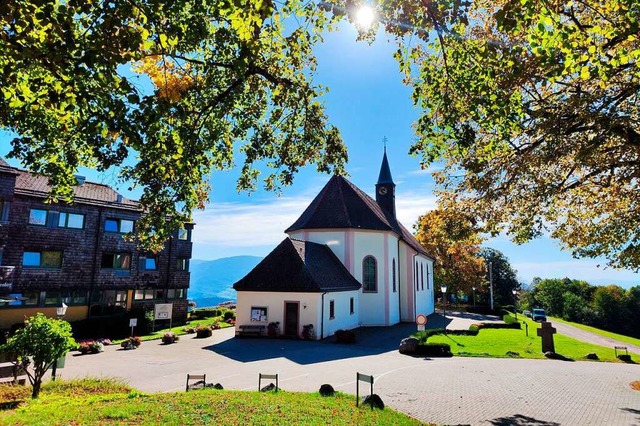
(421, 320)
(162, 311)
(132, 323)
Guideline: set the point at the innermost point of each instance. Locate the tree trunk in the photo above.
(36, 388)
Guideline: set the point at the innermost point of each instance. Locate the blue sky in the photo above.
(367, 101)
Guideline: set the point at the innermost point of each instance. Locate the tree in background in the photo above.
(38, 345)
(226, 78)
(504, 277)
(533, 108)
(454, 239)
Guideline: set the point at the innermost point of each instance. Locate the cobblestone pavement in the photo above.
(477, 391)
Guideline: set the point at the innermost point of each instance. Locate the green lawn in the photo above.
(603, 333)
(180, 330)
(496, 343)
(112, 403)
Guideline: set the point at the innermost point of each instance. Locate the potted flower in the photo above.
(203, 331)
(169, 338)
(273, 329)
(131, 343)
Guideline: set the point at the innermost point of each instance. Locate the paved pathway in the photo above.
(587, 336)
(477, 391)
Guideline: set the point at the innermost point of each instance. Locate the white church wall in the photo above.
(344, 318)
(372, 304)
(274, 302)
(424, 287)
(336, 240)
(310, 311)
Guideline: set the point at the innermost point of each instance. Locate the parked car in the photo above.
(526, 313)
(539, 315)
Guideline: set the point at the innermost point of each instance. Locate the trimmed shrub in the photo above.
(434, 349)
(229, 315)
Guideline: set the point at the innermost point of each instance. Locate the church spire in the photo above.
(385, 188)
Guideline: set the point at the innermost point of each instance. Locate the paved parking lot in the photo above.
(478, 391)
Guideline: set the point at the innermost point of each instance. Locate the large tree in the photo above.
(504, 277)
(453, 238)
(226, 82)
(533, 106)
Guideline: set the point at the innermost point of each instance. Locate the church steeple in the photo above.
(385, 188)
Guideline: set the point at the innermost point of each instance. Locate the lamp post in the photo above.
(515, 302)
(60, 313)
(444, 307)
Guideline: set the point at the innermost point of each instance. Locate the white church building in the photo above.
(347, 262)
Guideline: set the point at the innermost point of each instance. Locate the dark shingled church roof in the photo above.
(341, 204)
(299, 266)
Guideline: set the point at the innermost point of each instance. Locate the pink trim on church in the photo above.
(385, 267)
(348, 251)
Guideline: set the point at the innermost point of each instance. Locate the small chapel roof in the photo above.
(342, 205)
(299, 266)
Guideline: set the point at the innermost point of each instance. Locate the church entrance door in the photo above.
(291, 318)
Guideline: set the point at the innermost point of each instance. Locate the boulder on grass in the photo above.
(270, 387)
(374, 401)
(327, 390)
(408, 345)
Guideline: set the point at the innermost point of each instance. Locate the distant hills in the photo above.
(211, 280)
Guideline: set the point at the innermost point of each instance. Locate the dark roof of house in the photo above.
(30, 184)
(299, 266)
(341, 204)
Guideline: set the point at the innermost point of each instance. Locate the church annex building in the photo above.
(346, 262)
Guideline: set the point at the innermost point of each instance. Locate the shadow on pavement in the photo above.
(369, 341)
(475, 317)
(520, 420)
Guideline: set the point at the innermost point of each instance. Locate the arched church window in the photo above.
(421, 276)
(369, 274)
(393, 274)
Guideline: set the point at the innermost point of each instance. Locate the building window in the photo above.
(52, 298)
(122, 226)
(422, 276)
(42, 259)
(427, 277)
(121, 261)
(332, 309)
(38, 217)
(176, 293)
(182, 264)
(258, 314)
(4, 211)
(352, 306)
(369, 274)
(71, 220)
(20, 299)
(393, 274)
(183, 234)
(415, 275)
(74, 297)
(148, 263)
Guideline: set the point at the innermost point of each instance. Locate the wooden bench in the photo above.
(620, 348)
(251, 330)
(201, 381)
